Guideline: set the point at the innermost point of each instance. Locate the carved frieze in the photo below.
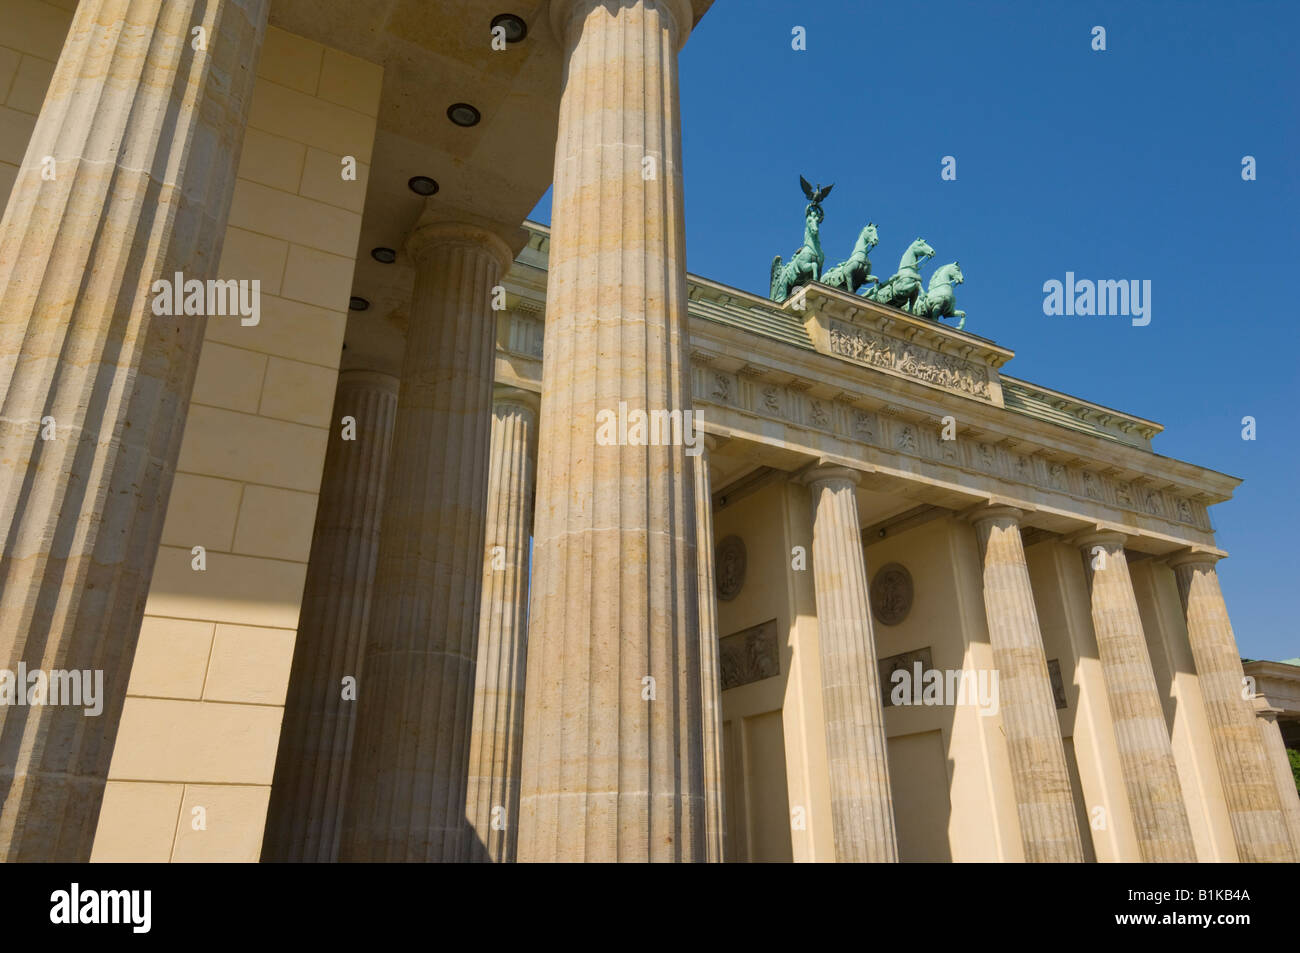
(878, 350)
(749, 655)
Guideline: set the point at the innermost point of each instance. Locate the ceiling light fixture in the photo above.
(422, 185)
(516, 28)
(385, 255)
(463, 114)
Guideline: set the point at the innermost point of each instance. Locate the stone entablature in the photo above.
(854, 329)
(769, 388)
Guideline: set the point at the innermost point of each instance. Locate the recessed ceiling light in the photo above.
(357, 303)
(463, 114)
(422, 185)
(516, 28)
(385, 255)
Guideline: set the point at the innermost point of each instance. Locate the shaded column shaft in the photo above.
(1284, 778)
(1044, 800)
(1248, 785)
(144, 133)
(861, 803)
(311, 769)
(496, 737)
(406, 788)
(1146, 755)
(613, 747)
(715, 821)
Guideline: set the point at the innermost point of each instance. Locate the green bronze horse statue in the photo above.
(805, 265)
(854, 272)
(905, 285)
(938, 299)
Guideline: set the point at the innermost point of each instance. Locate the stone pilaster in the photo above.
(613, 749)
(1275, 750)
(311, 769)
(496, 738)
(406, 788)
(1044, 801)
(862, 809)
(144, 134)
(1248, 786)
(1146, 755)
(715, 821)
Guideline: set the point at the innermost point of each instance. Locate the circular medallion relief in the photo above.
(891, 594)
(729, 563)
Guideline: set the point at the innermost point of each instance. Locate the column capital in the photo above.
(440, 227)
(381, 380)
(830, 472)
(1192, 557)
(1098, 537)
(989, 512)
(680, 12)
(504, 394)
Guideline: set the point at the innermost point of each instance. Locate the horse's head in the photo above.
(920, 249)
(952, 273)
(868, 238)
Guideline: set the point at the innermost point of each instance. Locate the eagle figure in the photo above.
(816, 195)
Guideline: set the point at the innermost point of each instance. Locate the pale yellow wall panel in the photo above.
(246, 590)
(171, 658)
(27, 91)
(300, 220)
(229, 377)
(15, 129)
(249, 664)
(272, 160)
(137, 822)
(247, 255)
(918, 773)
(322, 179)
(228, 829)
(288, 328)
(254, 449)
(290, 60)
(168, 740)
(351, 82)
(35, 27)
(202, 511)
(318, 277)
(298, 392)
(303, 118)
(275, 523)
(9, 60)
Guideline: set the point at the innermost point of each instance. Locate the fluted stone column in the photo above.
(406, 788)
(1275, 749)
(496, 736)
(613, 747)
(311, 769)
(1145, 753)
(862, 808)
(715, 821)
(1248, 786)
(1044, 800)
(144, 134)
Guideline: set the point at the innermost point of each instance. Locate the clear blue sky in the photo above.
(1117, 164)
